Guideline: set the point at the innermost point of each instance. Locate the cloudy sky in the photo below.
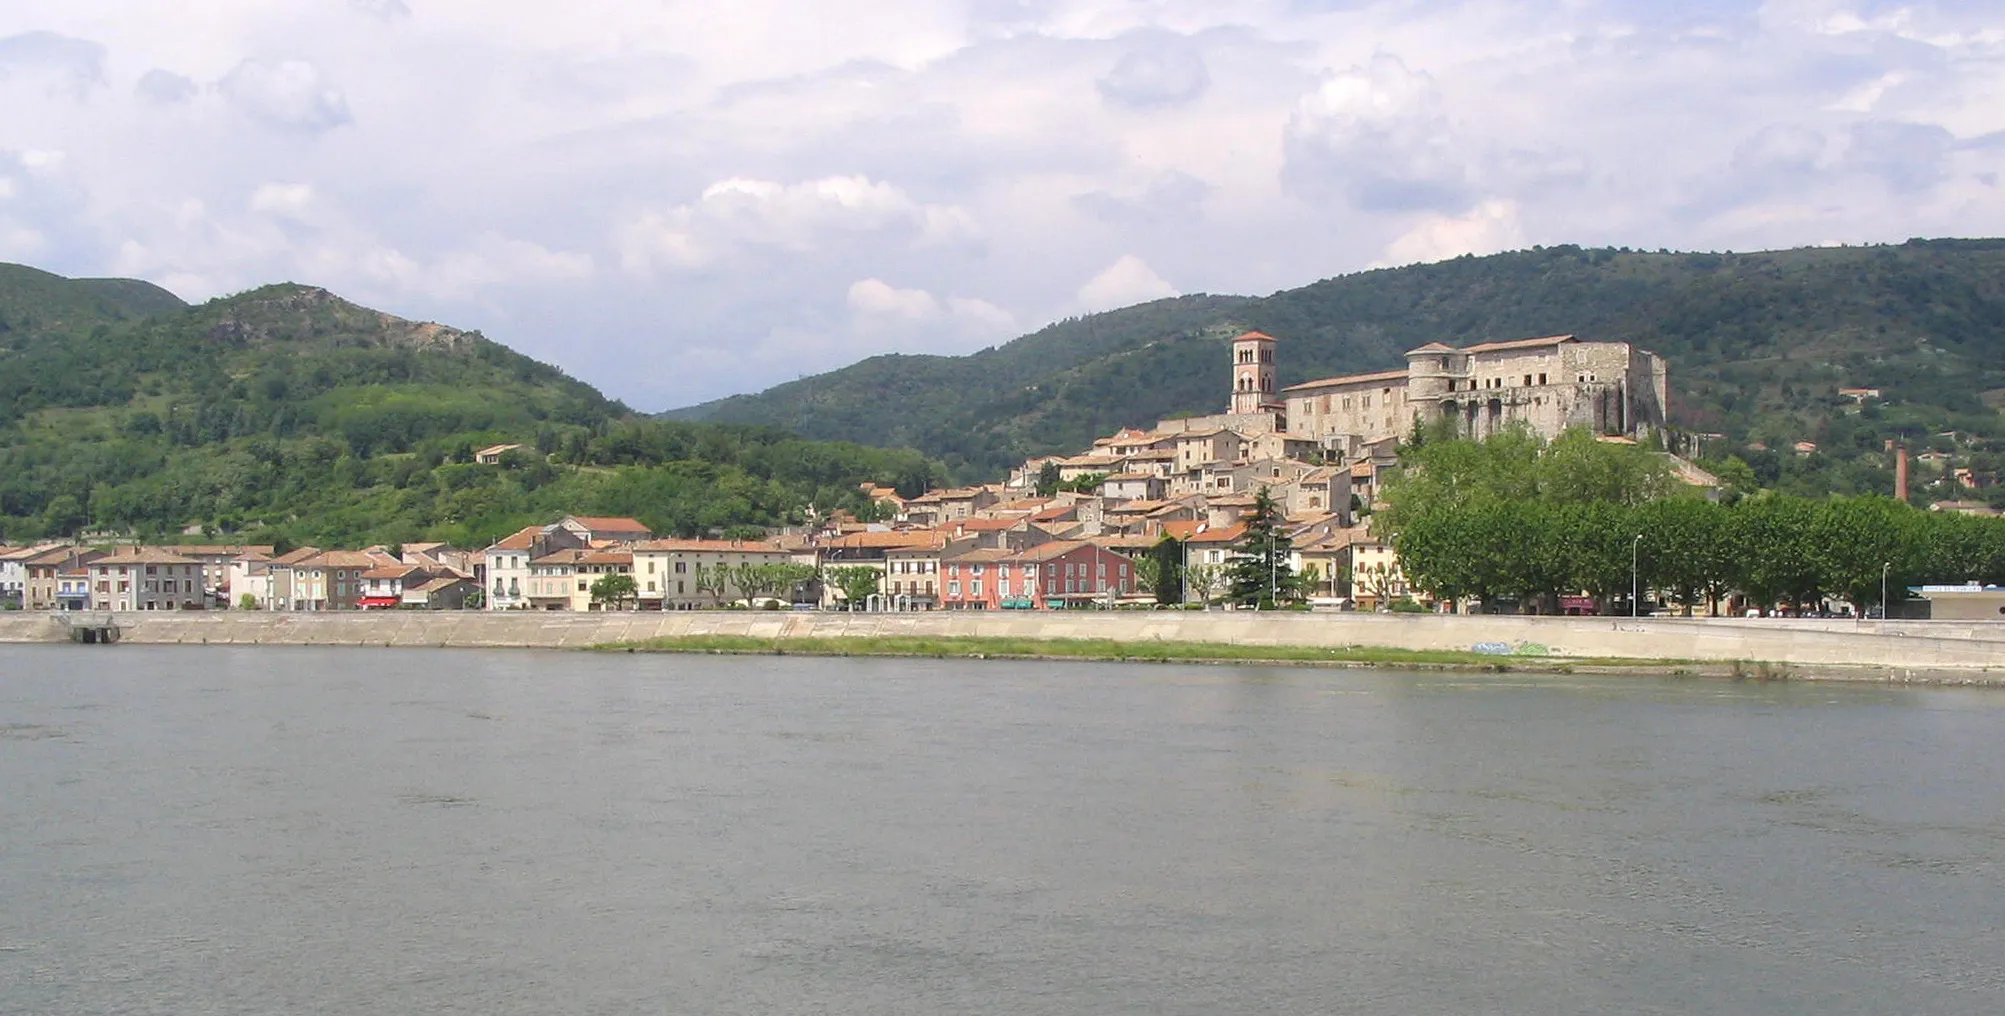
(680, 200)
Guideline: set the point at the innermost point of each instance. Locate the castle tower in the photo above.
(1252, 373)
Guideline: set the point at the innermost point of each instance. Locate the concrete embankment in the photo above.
(1896, 650)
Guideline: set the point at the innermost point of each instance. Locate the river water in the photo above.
(231, 831)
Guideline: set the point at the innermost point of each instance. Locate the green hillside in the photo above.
(1758, 343)
(288, 414)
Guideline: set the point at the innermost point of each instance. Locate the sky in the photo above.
(678, 200)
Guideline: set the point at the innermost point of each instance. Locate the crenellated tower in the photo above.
(1252, 373)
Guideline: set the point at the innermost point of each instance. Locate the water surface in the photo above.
(381, 831)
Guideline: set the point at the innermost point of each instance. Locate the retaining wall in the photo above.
(1898, 645)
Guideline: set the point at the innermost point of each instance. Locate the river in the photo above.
(242, 831)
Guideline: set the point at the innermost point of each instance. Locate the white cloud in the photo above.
(288, 200)
(740, 167)
(876, 303)
(875, 297)
(1489, 228)
(741, 212)
(1126, 281)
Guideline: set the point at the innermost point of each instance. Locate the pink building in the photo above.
(1052, 576)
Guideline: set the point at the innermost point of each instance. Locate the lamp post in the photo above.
(1633, 546)
(1884, 569)
(1273, 567)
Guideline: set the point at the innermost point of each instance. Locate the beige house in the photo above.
(332, 579)
(562, 580)
(42, 582)
(687, 574)
(912, 573)
(145, 578)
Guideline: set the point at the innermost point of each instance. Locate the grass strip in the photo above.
(985, 647)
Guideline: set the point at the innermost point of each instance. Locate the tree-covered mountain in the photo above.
(288, 414)
(1759, 345)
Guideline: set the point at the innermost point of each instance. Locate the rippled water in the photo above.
(375, 831)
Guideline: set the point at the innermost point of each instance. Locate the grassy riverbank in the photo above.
(976, 648)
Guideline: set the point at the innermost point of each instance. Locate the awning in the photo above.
(377, 602)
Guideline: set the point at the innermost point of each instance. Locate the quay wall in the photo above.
(1895, 646)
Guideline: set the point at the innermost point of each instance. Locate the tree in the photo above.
(1261, 575)
(1047, 479)
(1203, 580)
(614, 590)
(711, 580)
(857, 583)
(746, 577)
(247, 602)
(1161, 570)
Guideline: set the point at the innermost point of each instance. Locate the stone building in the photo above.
(1552, 384)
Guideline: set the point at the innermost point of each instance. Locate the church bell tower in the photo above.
(1252, 373)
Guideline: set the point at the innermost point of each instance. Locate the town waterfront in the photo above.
(284, 829)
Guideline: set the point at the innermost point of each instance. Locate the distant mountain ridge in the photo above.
(1758, 344)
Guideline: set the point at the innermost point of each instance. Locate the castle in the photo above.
(1552, 384)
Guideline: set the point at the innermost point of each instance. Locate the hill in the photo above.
(291, 415)
(1759, 345)
(33, 301)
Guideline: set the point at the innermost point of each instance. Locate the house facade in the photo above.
(694, 574)
(145, 578)
(562, 580)
(44, 572)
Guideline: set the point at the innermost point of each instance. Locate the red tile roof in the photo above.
(521, 539)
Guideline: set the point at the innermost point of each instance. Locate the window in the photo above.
(1542, 379)
(953, 589)
(1528, 380)
(976, 588)
(581, 585)
(681, 567)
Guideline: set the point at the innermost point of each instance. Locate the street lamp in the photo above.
(1884, 569)
(1633, 545)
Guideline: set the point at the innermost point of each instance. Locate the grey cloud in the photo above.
(1908, 157)
(72, 65)
(382, 10)
(1163, 73)
(165, 87)
(290, 95)
(1175, 196)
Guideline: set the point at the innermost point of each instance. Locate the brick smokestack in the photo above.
(1901, 473)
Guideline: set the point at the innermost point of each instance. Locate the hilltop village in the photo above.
(1061, 532)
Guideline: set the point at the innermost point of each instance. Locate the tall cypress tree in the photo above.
(1261, 575)
(1167, 558)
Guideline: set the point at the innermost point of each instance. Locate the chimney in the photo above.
(1901, 473)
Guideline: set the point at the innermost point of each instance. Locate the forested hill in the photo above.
(1759, 344)
(289, 414)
